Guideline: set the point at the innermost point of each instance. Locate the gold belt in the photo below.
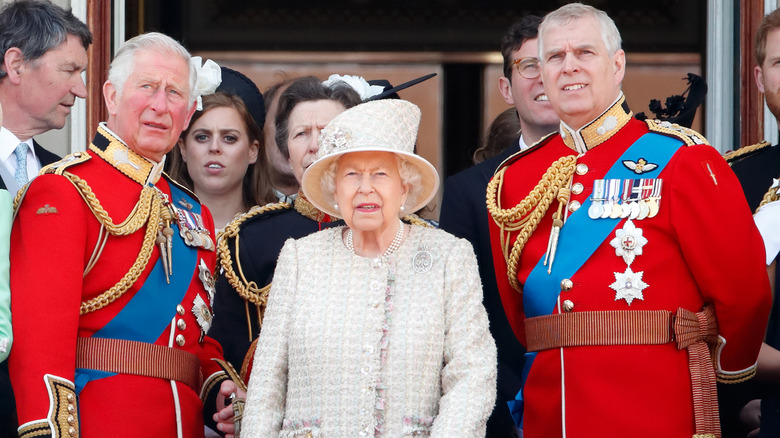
(691, 330)
(139, 358)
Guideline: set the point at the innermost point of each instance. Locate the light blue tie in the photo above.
(21, 164)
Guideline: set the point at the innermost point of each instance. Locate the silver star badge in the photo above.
(628, 286)
(628, 242)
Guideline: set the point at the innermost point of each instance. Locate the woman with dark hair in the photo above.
(219, 158)
(251, 244)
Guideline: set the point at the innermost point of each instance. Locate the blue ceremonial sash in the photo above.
(151, 309)
(580, 237)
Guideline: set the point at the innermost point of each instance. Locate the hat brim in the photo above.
(312, 178)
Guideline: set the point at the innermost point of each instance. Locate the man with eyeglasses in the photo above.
(626, 256)
(463, 211)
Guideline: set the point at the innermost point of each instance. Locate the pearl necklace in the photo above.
(399, 237)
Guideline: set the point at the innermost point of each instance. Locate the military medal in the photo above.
(654, 201)
(192, 229)
(613, 187)
(595, 209)
(626, 195)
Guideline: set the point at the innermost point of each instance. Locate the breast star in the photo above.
(628, 242)
(628, 286)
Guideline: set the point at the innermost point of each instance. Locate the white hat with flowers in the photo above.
(388, 125)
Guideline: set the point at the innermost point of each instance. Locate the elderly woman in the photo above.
(250, 246)
(375, 328)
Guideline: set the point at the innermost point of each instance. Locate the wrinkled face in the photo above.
(218, 152)
(580, 77)
(275, 156)
(369, 191)
(527, 95)
(768, 74)
(306, 121)
(51, 83)
(153, 109)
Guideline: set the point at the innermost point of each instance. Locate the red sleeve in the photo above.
(724, 252)
(48, 249)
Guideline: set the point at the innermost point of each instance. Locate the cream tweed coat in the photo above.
(370, 347)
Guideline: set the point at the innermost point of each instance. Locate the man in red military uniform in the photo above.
(626, 257)
(112, 268)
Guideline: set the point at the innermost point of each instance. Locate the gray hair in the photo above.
(124, 61)
(35, 27)
(410, 177)
(575, 11)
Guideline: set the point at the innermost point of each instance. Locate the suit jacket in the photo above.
(464, 214)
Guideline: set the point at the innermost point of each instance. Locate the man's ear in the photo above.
(111, 98)
(505, 87)
(189, 116)
(758, 74)
(13, 63)
(182, 149)
(619, 63)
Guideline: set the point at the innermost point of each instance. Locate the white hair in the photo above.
(575, 11)
(124, 62)
(410, 177)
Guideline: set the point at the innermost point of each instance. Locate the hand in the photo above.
(225, 415)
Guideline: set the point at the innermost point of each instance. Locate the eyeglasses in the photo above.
(527, 67)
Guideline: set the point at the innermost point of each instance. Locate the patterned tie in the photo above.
(21, 164)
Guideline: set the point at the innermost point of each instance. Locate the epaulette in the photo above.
(413, 219)
(58, 167)
(732, 156)
(519, 154)
(687, 135)
(247, 290)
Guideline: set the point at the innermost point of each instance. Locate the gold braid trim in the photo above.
(147, 211)
(416, 220)
(732, 156)
(770, 196)
(526, 215)
(247, 290)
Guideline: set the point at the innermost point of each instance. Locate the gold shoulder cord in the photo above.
(770, 196)
(731, 156)
(526, 215)
(413, 219)
(248, 290)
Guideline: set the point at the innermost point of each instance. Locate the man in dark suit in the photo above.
(463, 210)
(44, 51)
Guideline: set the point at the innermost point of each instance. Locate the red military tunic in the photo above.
(699, 248)
(60, 261)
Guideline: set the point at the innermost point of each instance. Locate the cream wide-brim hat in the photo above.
(388, 125)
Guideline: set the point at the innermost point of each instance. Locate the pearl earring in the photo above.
(336, 207)
(403, 208)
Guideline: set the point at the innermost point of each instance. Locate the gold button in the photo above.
(71, 409)
(71, 420)
(180, 340)
(181, 324)
(180, 309)
(577, 188)
(72, 431)
(574, 206)
(581, 169)
(568, 306)
(71, 398)
(566, 284)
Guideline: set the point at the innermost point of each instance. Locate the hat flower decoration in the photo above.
(209, 76)
(358, 83)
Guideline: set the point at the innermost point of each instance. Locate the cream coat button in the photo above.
(180, 340)
(568, 306)
(181, 324)
(566, 284)
(581, 169)
(577, 188)
(180, 309)
(574, 206)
